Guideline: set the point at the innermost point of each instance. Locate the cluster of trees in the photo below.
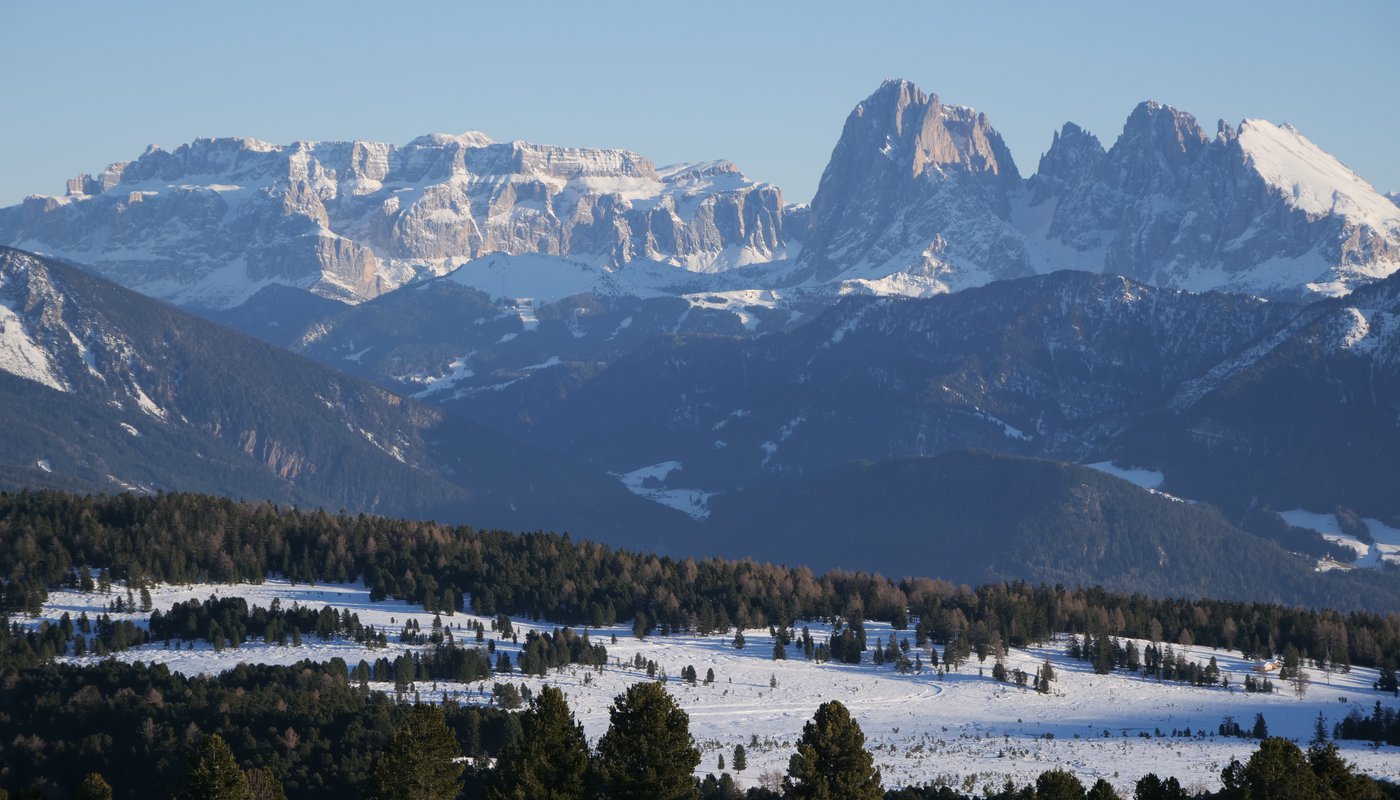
(229, 620)
(21, 645)
(138, 725)
(647, 753)
(544, 650)
(1162, 662)
(1382, 725)
(186, 538)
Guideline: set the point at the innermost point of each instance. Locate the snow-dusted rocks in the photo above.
(1260, 210)
(914, 200)
(212, 222)
(922, 197)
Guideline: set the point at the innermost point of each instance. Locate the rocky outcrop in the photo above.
(915, 189)
(212, 222)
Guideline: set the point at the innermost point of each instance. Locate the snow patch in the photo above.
(649, 482)
(1142, 478)
(1312, 180)
(21, 356)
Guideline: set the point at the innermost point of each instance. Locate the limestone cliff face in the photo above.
(213, 221)
(916, 187)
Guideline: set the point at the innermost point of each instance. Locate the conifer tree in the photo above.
(550, 761)
(1058, 784)
(1102, 790)
(263, 785)
(831, 762)
(1151, 787)
(94, 786)
(741, 758)
(421, 760)
(214, 774)
(1277, 770)
(648, 752)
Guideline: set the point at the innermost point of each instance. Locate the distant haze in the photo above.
(767, 85)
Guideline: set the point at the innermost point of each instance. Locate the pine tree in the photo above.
(94, 787)
(648, 752)
(421, 760)
(550, 761)
(741, 758)
(1058, 784)
(1102, 790)
(1151, 787)
(831, 762)
(1278, 771)
(214, 774)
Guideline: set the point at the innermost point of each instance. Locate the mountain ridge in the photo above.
(919, 197)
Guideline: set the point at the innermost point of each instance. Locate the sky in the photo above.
(764, 84)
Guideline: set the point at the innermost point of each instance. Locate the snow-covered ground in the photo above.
(964, 728)
(1385, 547)
(650, 483)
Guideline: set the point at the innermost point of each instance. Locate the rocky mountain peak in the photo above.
(918, 132)
(1074, 154)
(1158, 147)
(906, 170)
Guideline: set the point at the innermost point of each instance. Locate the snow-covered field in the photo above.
(1385, 547)
(964, 728)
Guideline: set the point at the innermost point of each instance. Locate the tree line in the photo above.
(51, 538)
(419, 752)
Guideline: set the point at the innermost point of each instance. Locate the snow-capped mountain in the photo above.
(1260, 209)
(214, 221)
(915, 200)
(922, 197)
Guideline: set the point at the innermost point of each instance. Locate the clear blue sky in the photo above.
(765, 84)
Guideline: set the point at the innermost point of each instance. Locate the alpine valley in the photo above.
(1170, 365)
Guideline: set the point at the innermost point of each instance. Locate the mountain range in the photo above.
(919, 197)
(922, 359)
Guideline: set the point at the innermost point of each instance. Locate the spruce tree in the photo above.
(831, 762)
(550, 761)
(741, 758)
(648, 752)
(214, 774)
(421, 760)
